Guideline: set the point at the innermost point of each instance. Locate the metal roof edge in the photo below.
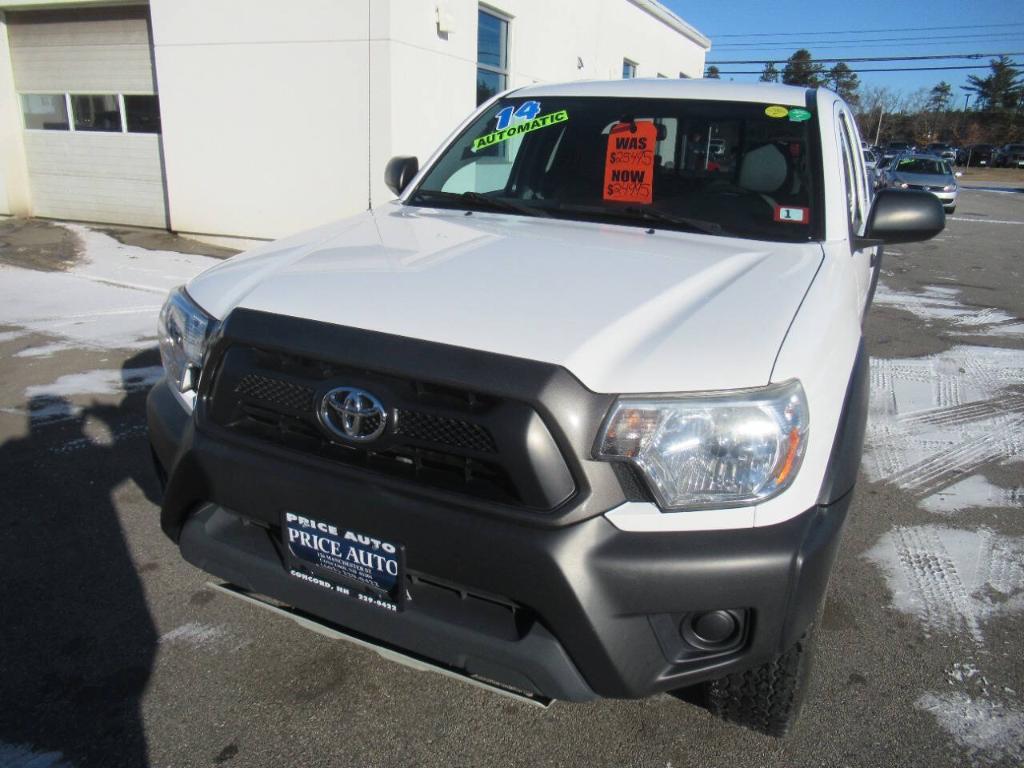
(663, 14)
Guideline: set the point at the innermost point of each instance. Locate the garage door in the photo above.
(91, 114)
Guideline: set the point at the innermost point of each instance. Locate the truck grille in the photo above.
(440, 436)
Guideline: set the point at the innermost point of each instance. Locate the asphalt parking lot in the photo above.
(115, 653)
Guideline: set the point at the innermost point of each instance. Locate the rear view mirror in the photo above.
(904, 216)
(399, 172)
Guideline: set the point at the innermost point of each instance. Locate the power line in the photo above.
(770, 52)
(880, 69)
(803, 42)
(864, 31)
(880, 58)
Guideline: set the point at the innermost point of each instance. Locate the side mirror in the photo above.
(904, 216)
(399, 172)
(959, 174)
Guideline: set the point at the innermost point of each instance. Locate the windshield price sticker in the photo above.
(776, 111)
(629, 163)
(792, 215)
(797, 115)
(528, 121)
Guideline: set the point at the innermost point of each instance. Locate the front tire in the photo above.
(767, 698)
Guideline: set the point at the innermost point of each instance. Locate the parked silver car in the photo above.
(925, 172)
(871, 165)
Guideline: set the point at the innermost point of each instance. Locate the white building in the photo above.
(254, 118)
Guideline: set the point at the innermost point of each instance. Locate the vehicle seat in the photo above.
(764, 170)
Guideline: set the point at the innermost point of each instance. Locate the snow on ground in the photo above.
(108, 300)
(23, 756)
(940, 303)
(991, 733)
(952, 580)
(201, 635)
(99, 382)
(934, 423)
(49, 402)
(973, 492)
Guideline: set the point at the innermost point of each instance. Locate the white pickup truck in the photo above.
(578, 415)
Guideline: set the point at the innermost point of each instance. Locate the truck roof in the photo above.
(669, 88)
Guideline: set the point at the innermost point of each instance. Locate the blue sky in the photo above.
(980, 26)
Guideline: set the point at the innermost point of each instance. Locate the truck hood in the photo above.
(623, 310)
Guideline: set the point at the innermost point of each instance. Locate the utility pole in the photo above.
(878, 131)
(967, 98)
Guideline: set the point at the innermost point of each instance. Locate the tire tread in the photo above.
(766, 698)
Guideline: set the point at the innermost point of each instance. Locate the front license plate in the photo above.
(350, 562)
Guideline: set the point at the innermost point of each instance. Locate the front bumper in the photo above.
(572, 612)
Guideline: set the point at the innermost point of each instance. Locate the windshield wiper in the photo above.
(696, 225)
(648, 214)
(495, 203)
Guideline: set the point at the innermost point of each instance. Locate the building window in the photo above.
(96, 113)
(662, 76)
(142, 114)
(683, 76)
(491, 56)
(628, 69)
(45, 111)
(106, 113)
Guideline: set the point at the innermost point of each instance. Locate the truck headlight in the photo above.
(720, 449)
(184, 329)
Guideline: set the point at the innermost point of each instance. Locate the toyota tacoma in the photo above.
(577, 415)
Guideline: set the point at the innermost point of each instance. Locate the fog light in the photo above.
(711, 630)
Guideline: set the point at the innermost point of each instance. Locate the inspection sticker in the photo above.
(792, 215)
(776, 111)
(798, 115)
(629, 163)
(544, 121)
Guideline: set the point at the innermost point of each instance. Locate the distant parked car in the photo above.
(894, 148)
(1009, 156)
(945, 151)
(925, 172)
(980, 154)
(871, 165)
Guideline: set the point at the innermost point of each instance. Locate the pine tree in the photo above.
(801, 69)
(713, 73)
(1002, 89)
(770, 73)
(845, 82)
(939, 97)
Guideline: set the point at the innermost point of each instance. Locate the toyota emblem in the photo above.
(353, 414)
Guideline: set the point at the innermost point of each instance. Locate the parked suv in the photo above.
(578, 415)
(1009, 156)
(980, 154)
(894, 148)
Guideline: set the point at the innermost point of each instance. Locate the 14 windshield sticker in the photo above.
(527, 118)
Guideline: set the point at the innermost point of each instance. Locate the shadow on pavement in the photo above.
(77, 643)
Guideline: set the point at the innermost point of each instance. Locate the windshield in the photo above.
(731, 168)
(922, 165)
